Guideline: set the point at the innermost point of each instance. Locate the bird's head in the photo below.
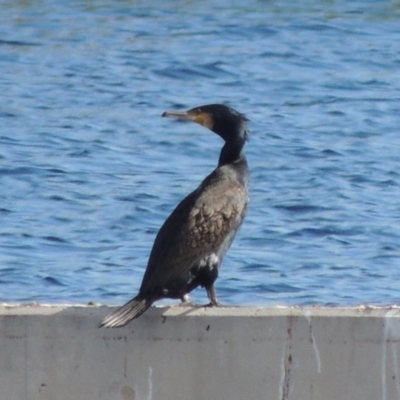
(223, 120)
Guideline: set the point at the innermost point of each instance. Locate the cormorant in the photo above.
(190, 245)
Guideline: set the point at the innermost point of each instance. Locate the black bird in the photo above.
(190, 245)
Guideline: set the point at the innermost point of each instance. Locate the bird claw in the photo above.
(187, 303)
(212, 304)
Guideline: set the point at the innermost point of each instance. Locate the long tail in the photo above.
(129, 311)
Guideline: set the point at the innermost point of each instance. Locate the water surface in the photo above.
(89, 170)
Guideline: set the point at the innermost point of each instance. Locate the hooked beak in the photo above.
(194, 115)
(185, 115)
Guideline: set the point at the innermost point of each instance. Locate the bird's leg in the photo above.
(212, 296)
(209, 276)
(185, 300)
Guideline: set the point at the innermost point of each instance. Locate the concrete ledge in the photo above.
(179, 353)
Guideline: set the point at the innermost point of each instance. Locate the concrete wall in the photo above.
(58, 353)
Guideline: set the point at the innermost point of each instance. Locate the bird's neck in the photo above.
(231, 152)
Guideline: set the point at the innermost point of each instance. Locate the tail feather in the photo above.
(129, 311)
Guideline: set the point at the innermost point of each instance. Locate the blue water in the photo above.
(89, 170)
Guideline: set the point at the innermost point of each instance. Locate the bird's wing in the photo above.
(195, 229)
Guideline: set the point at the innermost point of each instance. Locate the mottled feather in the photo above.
(204, 219)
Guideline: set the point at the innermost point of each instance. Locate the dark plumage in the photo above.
(190, 245)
